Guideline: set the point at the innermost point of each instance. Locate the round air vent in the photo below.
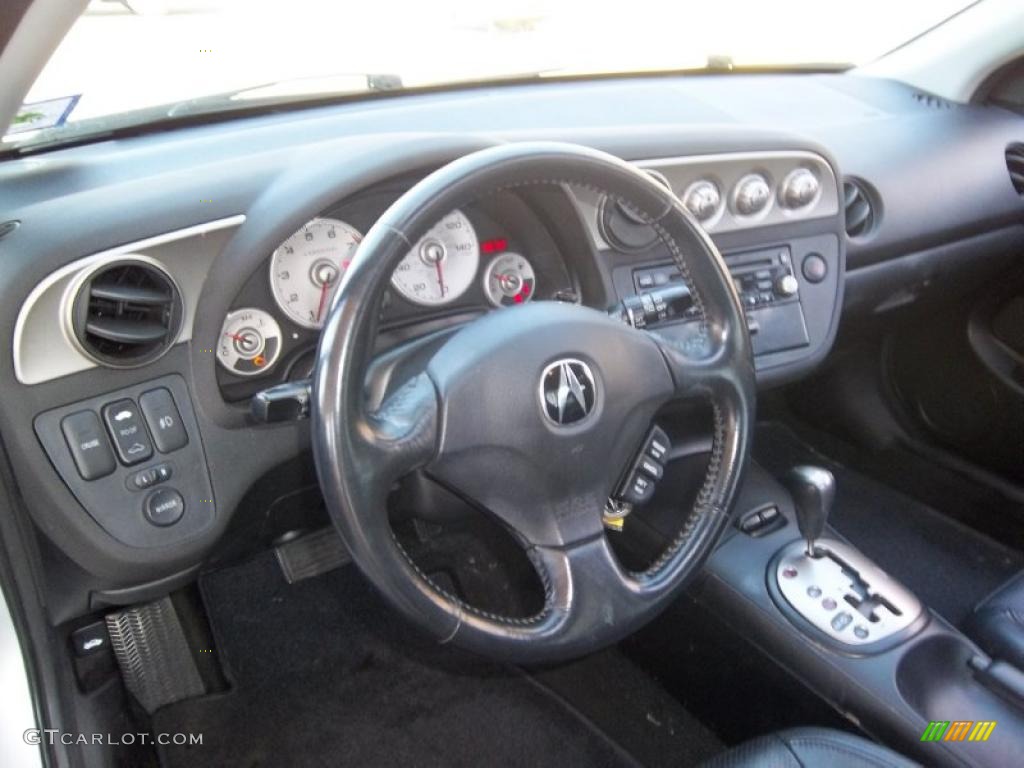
(1015, 165)
(861, 216)
(126, 313)
(624, 228)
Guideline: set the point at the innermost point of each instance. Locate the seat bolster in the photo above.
(810, 748)
(997, 624)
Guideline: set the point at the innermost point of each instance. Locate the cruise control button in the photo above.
(657, 444)
(88, 444)
(164, 507)
(650, 467)
(638, 489)
(163, 420)
(125, 425)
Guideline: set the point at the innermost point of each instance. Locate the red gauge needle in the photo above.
(235, 336)
(440, 276)
(324, 290)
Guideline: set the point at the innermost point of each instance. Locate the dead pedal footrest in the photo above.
(311, 555)
(153, 654)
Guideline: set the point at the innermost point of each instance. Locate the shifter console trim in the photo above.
(843, 594)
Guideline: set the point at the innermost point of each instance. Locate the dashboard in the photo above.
(151, 286)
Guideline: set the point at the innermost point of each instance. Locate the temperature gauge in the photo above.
(250, 342)
(509, 280)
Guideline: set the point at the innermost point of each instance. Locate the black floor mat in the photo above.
(948, 565)
(324, 674)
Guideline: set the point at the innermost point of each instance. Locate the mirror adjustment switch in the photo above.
(125, 426)
(164, 507)
(88, 444)
(163, 419)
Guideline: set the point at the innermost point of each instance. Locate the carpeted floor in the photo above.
(947, 564)
(323, 673)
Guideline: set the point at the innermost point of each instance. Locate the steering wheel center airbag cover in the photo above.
(498, 446)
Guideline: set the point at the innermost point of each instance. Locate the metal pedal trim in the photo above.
(153, 654)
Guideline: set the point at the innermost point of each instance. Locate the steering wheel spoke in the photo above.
(401, 435)
(702, 366)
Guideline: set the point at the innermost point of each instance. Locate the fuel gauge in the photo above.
(509, 280)
(250, 342)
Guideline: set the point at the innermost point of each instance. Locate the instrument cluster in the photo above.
(492, 255)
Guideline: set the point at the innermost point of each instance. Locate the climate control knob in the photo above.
(751, 195)
(702, 199)
(799, 188)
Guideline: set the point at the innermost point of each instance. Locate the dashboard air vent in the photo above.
(860, 212)
(126, 313)
(1015, 165)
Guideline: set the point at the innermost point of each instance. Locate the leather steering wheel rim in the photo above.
(435, 420)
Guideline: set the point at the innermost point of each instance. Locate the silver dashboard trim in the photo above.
(50, 295)
(724, 169)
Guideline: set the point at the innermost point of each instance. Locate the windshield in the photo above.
(127, 62)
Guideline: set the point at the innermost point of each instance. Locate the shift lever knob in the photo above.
(813, 490)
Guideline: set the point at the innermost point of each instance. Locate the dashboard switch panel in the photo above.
(129, 433)
(163, 420)
(134, 503)
(88, 443)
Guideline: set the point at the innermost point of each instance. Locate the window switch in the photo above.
(761, 521)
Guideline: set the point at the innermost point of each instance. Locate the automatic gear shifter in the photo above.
(828, 582)
(813, 490)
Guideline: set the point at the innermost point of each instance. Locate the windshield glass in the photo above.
(127, 62)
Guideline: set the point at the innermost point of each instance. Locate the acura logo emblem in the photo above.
(567, 391)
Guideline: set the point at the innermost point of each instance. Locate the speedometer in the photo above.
(307, 267)
(442, 265)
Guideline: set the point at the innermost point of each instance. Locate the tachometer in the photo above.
(307, 267)
(442, 265)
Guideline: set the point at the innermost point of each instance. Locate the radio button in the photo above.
(787, 285)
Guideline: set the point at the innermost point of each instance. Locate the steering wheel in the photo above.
(543, 467)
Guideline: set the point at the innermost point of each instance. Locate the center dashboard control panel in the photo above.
(134, 460)
(768, 288)
(790, 291)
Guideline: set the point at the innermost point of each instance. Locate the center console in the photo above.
(855, 636)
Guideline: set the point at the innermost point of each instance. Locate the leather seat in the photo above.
(809, 748)
(997, 624)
